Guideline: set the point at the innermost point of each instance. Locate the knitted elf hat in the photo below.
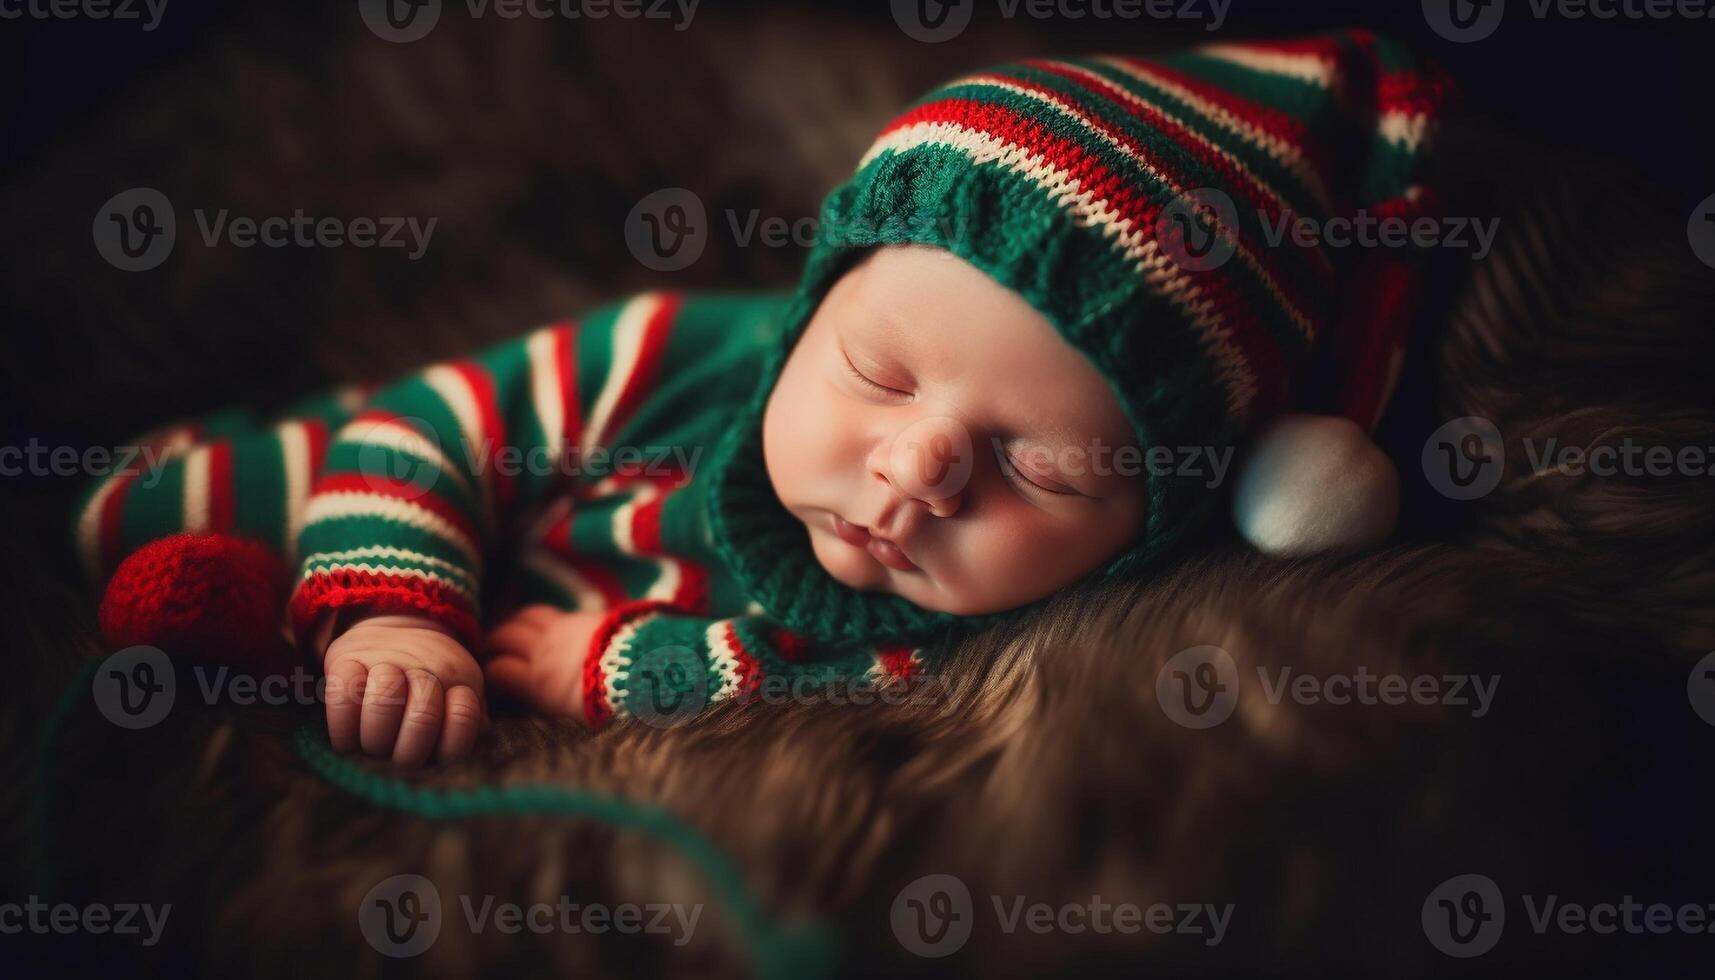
(1147, 208)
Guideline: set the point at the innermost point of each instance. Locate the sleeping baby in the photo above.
(1045, 286)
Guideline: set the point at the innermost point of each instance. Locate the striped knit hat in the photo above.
(1147, 209)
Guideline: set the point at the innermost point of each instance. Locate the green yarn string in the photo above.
(778, 953)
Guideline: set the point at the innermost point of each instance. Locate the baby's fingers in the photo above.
(384, 693)
(420, 727)
(464, 721)
(345, 703)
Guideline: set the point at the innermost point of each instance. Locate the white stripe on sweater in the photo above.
(1138, 245)
(401, 438)
(546, 393)
(724, 660)
(294, 441)
(342, 504)
(388, 551)
(393, 570)
(89, 527)
(1304, 67)
(669, 573)
(195, 515)
(627, 347)
(616, 659)
(456, 392)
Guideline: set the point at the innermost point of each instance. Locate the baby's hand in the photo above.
(537, 656)
(403, 687)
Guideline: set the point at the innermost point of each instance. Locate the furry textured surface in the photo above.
(1032, 767)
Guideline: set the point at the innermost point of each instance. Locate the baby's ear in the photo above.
(1315, 483)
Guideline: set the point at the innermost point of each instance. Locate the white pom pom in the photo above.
(1315, 483)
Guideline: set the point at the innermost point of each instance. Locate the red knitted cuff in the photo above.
(597, 709)
(378, 594)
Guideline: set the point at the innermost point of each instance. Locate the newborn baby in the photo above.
(1022, 312)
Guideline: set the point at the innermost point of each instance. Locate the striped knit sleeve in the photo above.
(417, 486)
(650, 661)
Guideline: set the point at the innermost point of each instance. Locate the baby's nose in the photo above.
(931, 460)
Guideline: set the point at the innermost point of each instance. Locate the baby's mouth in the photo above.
(881, 549)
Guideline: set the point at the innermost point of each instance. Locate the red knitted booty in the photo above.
(214, 598)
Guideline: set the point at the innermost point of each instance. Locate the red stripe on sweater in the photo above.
(749, 668)
(565, 361)
(896, 662)
(493, 435)
(316, 437)
(649, 356)
(221, 505)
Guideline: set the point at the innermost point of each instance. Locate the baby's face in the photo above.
(941, 442)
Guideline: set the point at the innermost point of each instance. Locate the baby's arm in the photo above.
(414, 494)
(649, 660)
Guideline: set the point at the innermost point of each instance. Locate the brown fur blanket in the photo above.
(1040, 767)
